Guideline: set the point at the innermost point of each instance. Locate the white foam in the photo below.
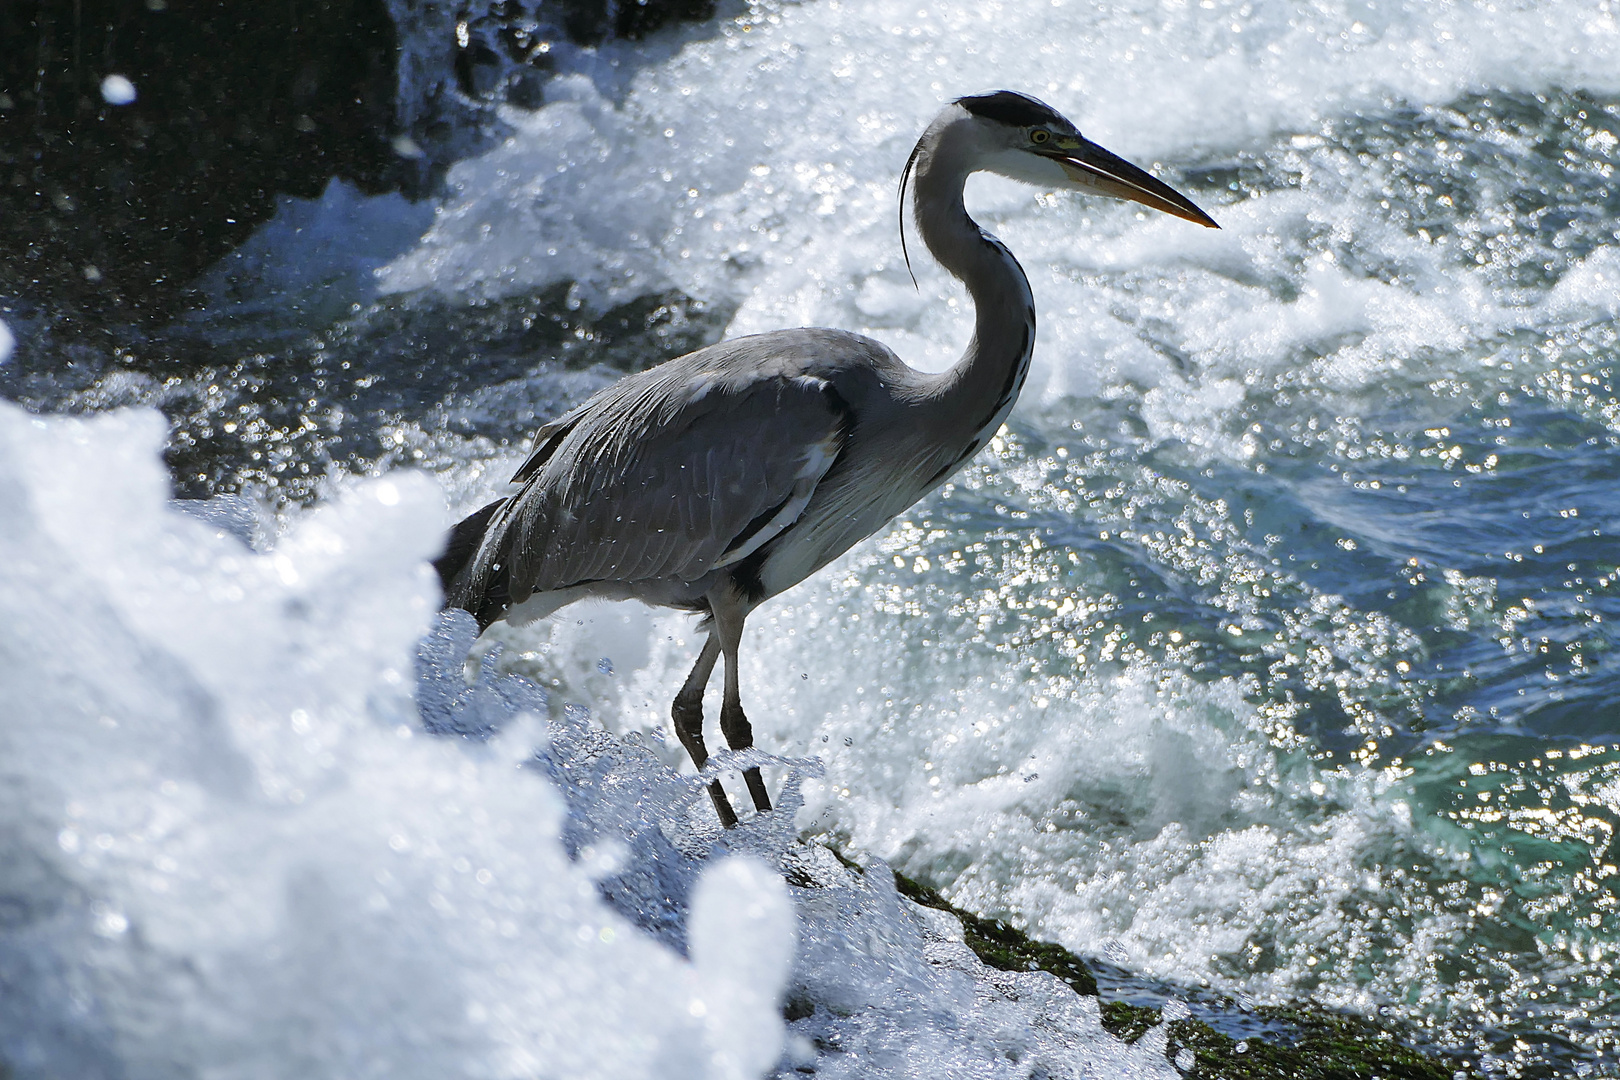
(743, 939)
(227, 851)
(1123, 809)
(230, 848)
(1589, 290)
(760, 163)
(313, 259)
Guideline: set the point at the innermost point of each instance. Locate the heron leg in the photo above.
(734, 725)
(687, 712)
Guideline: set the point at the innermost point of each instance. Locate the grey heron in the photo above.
(717, 480)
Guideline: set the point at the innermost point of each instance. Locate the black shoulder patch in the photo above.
(1008, 107)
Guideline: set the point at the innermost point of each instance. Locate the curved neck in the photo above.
(981, 387)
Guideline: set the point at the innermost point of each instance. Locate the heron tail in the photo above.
(460, 548)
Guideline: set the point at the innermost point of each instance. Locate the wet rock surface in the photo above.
(139, 142)
(141, 146)
(1219, 1038)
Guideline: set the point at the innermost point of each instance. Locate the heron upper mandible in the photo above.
(714, 481)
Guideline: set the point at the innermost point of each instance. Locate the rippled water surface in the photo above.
(1270, 649)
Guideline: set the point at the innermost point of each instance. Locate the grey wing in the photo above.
(547, 439)
(665, 479)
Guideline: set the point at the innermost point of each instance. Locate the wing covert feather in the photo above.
(663, 478)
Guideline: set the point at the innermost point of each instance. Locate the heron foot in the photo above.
(687, 712)
(756, 788)
(722, 805)
(739, 735)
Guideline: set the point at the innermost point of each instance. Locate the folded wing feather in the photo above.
(653, 480)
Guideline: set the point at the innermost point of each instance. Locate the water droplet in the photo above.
(117, 90)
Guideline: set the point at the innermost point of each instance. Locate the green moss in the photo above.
(1318, 1045)
(1003, 946)
(1126, 1021)
(1326, 1047)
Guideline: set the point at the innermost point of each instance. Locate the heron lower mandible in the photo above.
(717, 480)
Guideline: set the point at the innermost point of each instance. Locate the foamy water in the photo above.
(234, 845)
(231, 849)
(1268, 651)
(1122, 679)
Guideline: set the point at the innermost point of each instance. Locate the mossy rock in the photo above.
(1003, 946)
(1126, 1021)
(1320, 1045)
(1328, 1047)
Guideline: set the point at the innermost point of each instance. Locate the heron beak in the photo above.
(1095, 169)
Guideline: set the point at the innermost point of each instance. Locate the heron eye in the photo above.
(1039, 136)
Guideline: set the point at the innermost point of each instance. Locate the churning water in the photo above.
(1270, 649)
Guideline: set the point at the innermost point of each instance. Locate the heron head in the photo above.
(1025, 139)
